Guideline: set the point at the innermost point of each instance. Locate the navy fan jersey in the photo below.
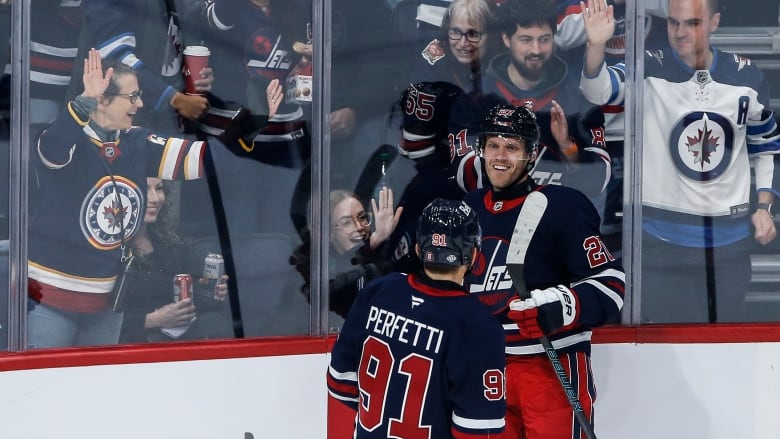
(565, 250)
(420, 357)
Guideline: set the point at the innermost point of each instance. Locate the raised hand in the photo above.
(386, 217)
(274, 94)
(599, 20)
(95, 83)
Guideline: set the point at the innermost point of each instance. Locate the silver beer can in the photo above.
(213, 270)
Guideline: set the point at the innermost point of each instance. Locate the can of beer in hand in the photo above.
(182, 287)
(213, 270)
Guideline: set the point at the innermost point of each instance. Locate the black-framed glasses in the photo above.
(471, 35)
(133, 97)
(362, 219)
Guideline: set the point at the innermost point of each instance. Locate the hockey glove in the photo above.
(545, 311)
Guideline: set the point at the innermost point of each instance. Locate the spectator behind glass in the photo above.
(572, 149)
(365, 82)
(570, 41)
(357, 255)
(467, 40)
(147, 36)
(251, 45)
(90, 167)
(706, 117)
(150, 313)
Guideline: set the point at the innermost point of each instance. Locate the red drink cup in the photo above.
(196, 58)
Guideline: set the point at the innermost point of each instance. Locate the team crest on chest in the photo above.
(701, 145)
(108, 209)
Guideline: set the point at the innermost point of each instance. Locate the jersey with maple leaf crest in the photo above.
(701, 129)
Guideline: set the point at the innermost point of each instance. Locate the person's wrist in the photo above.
(768, 207)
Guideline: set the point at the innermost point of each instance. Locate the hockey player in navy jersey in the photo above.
(417, 355)
(90, 169)
(572, 150)
(566, 260)
(707, 115)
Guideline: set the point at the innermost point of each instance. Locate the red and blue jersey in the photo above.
(566, 249)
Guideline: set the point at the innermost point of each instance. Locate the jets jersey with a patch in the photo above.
(79, 210)
(566, 249)
(419, 356)
(700, 130)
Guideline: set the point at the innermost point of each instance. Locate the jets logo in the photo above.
(489, 278)
(701, 145)
(106, 211)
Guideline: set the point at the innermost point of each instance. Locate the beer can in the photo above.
(182, 287)
(213, 267)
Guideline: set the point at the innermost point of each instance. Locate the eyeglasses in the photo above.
(133, 97)
(363, 219)
(471, 35)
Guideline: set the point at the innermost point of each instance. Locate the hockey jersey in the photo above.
(700, 130)
(418, 356)
(78, 209)
(566, 249)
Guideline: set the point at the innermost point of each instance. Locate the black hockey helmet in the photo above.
(446, 233)
(509, 120)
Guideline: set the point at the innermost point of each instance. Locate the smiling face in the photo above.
(347, 230)
(530, 49)
(155, 198)
(465, 51)
(689, 26)
(117, 112)
(506, 161)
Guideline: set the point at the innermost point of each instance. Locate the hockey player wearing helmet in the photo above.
(425, 332)
(575, 282)
(508, 145)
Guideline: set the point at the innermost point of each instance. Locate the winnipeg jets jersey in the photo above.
(565, 250)
(700, 130)
(420, 357)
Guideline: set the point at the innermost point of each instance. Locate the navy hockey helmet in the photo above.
(512, 121)
(446, 233)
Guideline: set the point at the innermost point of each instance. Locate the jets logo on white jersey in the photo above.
(701, 145)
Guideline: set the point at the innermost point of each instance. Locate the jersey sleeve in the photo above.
(608, 87)
(597, 277)
(113, 30)
(477, 372)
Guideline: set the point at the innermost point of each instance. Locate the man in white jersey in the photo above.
(706, 116)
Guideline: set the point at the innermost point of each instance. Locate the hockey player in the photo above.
(566, 262)
(707, 115)
(90, 167)
(572, 146)
(417, 355)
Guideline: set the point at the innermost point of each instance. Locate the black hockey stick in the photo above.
(527, 221)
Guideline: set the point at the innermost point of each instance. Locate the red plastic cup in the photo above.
(196, 58)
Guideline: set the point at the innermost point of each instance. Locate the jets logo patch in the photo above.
(701, 145)
(104, 214)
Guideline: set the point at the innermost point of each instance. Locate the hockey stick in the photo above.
(527, 221)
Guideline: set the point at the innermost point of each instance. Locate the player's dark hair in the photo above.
(528, 13)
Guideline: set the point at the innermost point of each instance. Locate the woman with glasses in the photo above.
(90, 168)
(358, 246)
(465, 43)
